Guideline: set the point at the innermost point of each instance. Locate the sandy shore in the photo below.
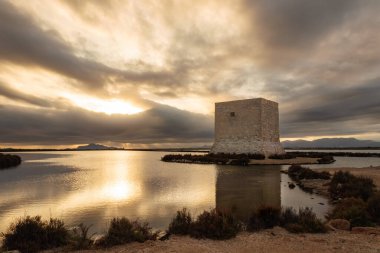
(372, 172)
(273, 240)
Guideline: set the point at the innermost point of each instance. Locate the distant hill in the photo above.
(331, 143)
(94, 146)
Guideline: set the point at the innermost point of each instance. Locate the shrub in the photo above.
(57, 234)
(309, 221)
(215, 225)
(288, 216)
(31, 234)
(346, 185)
(80, 238)
(353, 210)
(181, 223)
(264, 217)
(305, 221)
(122, 231)
(373, 207)
(297, 172)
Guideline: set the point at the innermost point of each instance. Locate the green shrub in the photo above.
(373, 207)
(265, 217)
(353, 210)
(31, 234)
(181, 223)
(122, 231)
(215, 225)
(345, 185)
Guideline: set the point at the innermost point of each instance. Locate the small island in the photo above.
(8, 161)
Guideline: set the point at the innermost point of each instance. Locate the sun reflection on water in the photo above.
(120, 190)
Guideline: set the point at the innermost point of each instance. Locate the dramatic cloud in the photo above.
(45, 126)
(60, 61)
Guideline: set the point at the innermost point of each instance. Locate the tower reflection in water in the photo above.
(243, 190)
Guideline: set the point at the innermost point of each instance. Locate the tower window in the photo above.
(232, 114)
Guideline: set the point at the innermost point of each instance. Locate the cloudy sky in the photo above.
(147, 73)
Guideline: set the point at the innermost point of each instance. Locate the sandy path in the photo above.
(274, 240)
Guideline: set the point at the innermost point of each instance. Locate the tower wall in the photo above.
(247, 126)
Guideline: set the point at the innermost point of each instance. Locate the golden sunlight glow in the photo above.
(112, 106)
(120, 190)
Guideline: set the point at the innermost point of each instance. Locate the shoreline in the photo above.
(270, 240)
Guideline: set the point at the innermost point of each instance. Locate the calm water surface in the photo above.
(94, 186)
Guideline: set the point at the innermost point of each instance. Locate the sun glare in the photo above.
(112, 106)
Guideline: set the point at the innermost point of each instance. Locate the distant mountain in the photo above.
(331, 143)
(94, 146)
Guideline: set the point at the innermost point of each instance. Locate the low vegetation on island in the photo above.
(239, 159)
(8, 161)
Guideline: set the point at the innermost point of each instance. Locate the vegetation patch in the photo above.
(232, 159)
(265, 217)
(297, 173)
(345, 185)
(31, 234)
(181, 223)
(215, 224)
(305, 221)
(122, 231)
(7, 161)
(354, 210)
(373, 207)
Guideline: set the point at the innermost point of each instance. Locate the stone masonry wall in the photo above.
(247, 126)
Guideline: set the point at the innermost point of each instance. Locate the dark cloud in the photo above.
(13, 94)
(22, 41)
(344, 111)
(46, 126)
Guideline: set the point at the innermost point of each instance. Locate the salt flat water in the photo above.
(94, 186)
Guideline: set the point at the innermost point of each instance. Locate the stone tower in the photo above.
(247, 126)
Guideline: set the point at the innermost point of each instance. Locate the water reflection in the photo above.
(93, 187)
(244, 190)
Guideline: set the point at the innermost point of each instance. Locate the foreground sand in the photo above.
(273, 240)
